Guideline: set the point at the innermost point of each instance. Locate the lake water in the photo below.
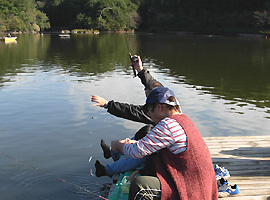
(49, 129)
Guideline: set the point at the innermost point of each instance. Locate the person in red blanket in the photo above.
(183, 166)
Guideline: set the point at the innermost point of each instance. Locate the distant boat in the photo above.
(64, 35)
(9, 39)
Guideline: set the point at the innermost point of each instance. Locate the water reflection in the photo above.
(47, 119)
(233, 69)
(230, 68)
(84, 55)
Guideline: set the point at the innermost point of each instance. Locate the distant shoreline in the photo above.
(198, 33)
(216, 33)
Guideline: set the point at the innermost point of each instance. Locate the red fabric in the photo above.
(189, 175)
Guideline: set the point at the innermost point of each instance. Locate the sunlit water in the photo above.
(49, 129)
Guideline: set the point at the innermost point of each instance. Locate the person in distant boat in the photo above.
(121, 165)
(9, 35)
(130, 111)
(184, 168)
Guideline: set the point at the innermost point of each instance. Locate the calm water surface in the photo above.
(49, 128)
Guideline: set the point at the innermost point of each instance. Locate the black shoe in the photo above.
(100, 169)
(106, 149)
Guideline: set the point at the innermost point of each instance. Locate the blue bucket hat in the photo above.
(160, 95)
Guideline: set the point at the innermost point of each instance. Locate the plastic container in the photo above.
(125, 185)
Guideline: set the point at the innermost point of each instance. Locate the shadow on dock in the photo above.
(248, 160)
(249, 152)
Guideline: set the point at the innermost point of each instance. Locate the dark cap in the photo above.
(160, 95)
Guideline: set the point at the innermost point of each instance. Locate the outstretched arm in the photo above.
(123, 110)
(143, 74)
(129, 111)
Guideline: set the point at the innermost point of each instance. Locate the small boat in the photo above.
(64, 35)
(9, 39)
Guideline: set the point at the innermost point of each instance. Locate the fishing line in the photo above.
(131, 57)
(126, 42)
(51, 175)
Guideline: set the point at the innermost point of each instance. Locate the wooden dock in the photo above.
(248, 160)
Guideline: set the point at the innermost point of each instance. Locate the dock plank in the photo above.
(248, 160)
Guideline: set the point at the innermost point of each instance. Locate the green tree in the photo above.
(120, 15)
(21, 15)
(90, 14)
(42, 20)
(262, 19)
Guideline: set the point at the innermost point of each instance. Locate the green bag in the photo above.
(121, 188)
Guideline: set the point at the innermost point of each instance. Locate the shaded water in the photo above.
(49, 125)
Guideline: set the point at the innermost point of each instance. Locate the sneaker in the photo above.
(221, 172)
(227, 190)
(221, 181)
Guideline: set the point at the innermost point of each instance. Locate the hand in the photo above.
(119, 144)
(128, 141)
(138, 65)
(99, 101)
(115, 145)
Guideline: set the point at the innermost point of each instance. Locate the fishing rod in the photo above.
(133, 59)
(51, 175)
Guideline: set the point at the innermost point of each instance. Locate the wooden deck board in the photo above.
(248, 160)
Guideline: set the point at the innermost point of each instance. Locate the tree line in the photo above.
(22, 15)
(207, 15)
(146, 15)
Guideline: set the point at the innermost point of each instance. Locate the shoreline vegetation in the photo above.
(183, 33)
(213, 17)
